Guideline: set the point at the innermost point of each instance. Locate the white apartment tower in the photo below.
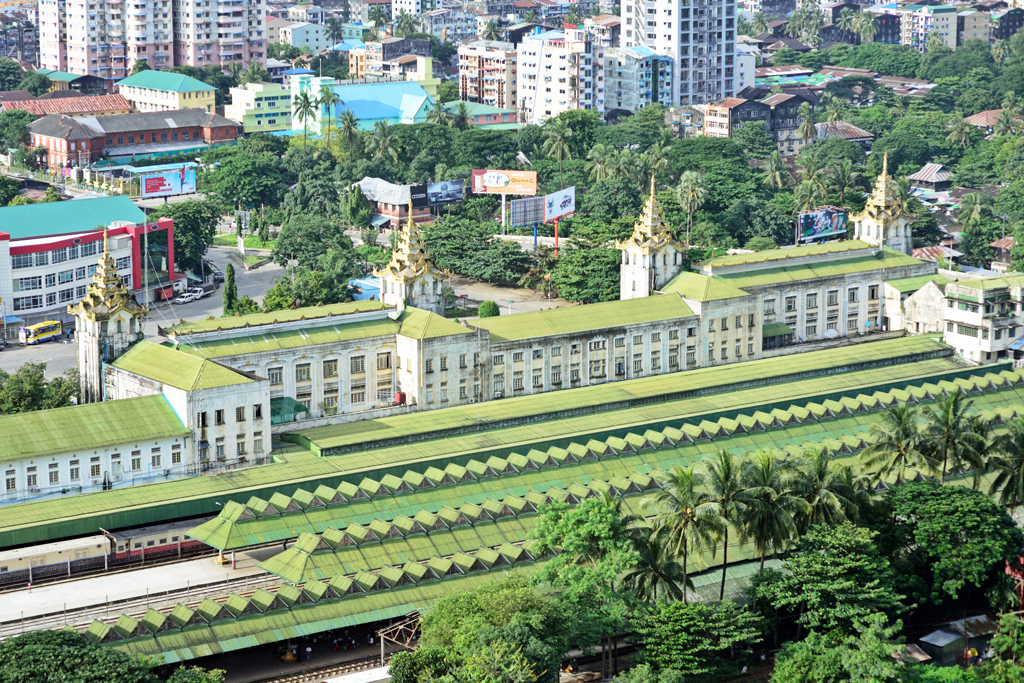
(698, 35)
(487, 73)
(555, 73)
(104, 37)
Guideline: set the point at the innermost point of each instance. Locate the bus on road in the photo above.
(40, 332)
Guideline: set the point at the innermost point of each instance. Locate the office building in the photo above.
(165, 91)
(260, 107)
(310, 38)
(633, 78)
(487, 73)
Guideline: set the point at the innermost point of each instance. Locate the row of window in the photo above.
(27, 284)
(303, 371)
(45, 258)
(968, 331)
(577, 348)
(443, 393)
(832, 299)
(218, 416)
(220, 448)
(95, 468)
(64, 296)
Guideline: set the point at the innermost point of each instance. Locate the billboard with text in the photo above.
(505, 182)
(558, 204)
(166, 183)
(418, 194)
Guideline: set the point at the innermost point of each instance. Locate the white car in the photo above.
(186, 298)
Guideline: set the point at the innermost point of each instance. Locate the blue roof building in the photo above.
(348, 44)
(395, 102)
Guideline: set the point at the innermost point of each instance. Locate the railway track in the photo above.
(318, 675)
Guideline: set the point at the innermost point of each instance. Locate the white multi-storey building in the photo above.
(487, 73)
(105, 37)
(699, 36)
(555, 73)
(633, 78)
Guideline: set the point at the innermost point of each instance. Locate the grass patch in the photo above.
(251, 241)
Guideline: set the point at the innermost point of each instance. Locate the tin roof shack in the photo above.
(947, 645)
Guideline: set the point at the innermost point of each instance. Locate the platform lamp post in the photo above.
(220, 559)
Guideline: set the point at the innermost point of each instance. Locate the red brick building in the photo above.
(75, 141)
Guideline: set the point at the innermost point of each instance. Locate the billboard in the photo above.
(445, 192)
(558, 204)
(529, 211)
(166, 183)
(505, 182)
(418, 193)
(828, 221)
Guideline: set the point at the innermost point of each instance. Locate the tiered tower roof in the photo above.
(107, 294)
(651, 233)
(410, 260)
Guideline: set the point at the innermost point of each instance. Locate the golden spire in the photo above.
(105, 252)
(410, 223)
(652, 186)
(885, 164)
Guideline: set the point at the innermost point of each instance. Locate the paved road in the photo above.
(60, 357)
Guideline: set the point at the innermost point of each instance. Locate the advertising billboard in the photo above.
(828, 221)
(419, 196)
(505, 182)
(529, 211)
(179, 181)
(445, 192)
(558, 204)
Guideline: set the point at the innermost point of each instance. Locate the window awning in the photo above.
(1016, 346)
(776, 330)
(286, 409)
(377, 220)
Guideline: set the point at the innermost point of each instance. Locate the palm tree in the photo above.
(981, 429)
(304, 109)
(774, 172)
(848, 20)
(530, 17)
(656, 160)
(348, 128)
(692, 193)
(806, 131)
(235, 70)
(974, 207)
(867, 26)
(759, 23)
(1008, 464)
(436, 114)
(1006, 124)
(933, 41)
(1010, 102)
(1000, 51)
(256, 73)
(378, 16)
(729, 499)
(960, 131)
(597, 161)
(825, 487)
(335, 31)
(898, 444)
(813, 178)
(834, 112)
(770, 517)
(902, 199)
(844, 179)
(461, 119)
(557, 134)
(491, 31)
(620, 164)
(329, 98)
(950, 441)
(658, 575)
(684, 518)
(405, 23)
(383, 142)
(901, 104)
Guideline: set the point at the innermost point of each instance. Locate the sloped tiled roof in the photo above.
(70, 105)
(936, 253)
(841, 129)
(932, 173)
(984, 119)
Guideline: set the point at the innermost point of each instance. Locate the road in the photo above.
(60, 357)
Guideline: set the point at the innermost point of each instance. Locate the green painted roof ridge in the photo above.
(786, 253)
(165, 80)
(256, 320)
(416, 323)
(177, 369)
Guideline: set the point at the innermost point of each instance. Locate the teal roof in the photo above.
(59, 218)
(165, 80)
(177, 369)
(476, 108)
(58, 75)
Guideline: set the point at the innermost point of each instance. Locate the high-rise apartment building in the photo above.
(699, 36)
(633, 78)
(487, 73)
(555, 73)
(105, 37)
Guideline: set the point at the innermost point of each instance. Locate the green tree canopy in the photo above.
(195, 225)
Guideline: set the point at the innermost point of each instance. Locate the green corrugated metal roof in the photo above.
(773, 255)
(420, 324)
(62, 76)
(164, 80)
(776, 330)
(258, 319)
(886, 258)
(174, 368)
(87, 427)
(701, 287)
(908, 285)
(60, 218)
(572, 319)
(1010, 280)
(289, 339)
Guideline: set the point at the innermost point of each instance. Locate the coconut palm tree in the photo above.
(692, 192)
(901, 104)
(1010, 102)
(684, 518)
(348, 128)
(1006, 124)
(771, 516)
(981, 429)
(950, 441)
(557, 135)
(834, 112)
(960, 131)
(335, 31)
(437, 114)
(1000, 51)
(824, 486)
(806, 131)
(844, 179)
(530, 17)
(461, 119)
(867, 27)
(491, 31)
(933, 41)
(304, 109)
(1008, 464)
(378, 16)
(620, 164)
(902, 204)
(383, 142)
(657, 575)
(256, 73)
(235, 70)
(597, 161)
(656, 161)
(848, 20)
(898, 443)
(405, 23)
(759, 23)
(814, 176)
(975, 207)
(729, 498)
(775, 172)
(329, 98)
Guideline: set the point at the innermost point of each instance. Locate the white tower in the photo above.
(651, 256)
(108, 321)
(883, 223)
(411, 278)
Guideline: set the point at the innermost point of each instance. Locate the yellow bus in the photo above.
(40, 332)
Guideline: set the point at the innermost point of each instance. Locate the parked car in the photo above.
(218, 276)
(187, 298)
(204, 290)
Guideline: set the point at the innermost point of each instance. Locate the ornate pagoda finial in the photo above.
(885, 164)
(411, 223)
(652, 186)
(105, 252)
